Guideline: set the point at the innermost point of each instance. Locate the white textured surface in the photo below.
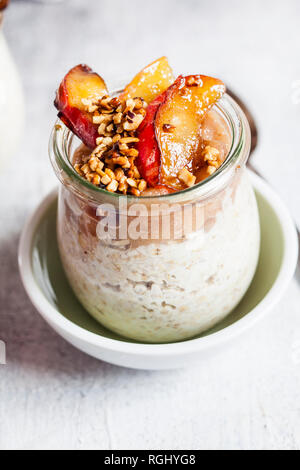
(51, 395)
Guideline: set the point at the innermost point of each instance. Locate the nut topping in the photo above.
(112, 162)
(187, 177)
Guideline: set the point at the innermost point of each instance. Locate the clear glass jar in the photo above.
(172, 267)
(11, 102)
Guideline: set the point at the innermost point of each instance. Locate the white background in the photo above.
(53, 396)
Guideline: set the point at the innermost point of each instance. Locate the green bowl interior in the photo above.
(50, 277)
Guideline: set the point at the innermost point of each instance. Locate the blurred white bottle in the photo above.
(11, 102)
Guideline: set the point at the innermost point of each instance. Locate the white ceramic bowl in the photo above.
(126, 353)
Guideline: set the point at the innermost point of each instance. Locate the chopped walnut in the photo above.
(133, 123)
(142, 185)
(112, 186)
(112, 162)
(187, 177)
(131, 182)
(211, 157)
(105, 179)
(210, 154)
(135, 192)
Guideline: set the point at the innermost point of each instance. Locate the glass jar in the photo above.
(160, 268)
(11, 102)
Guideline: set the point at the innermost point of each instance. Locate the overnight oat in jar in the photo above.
(158, 226)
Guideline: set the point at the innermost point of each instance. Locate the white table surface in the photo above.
(53, 396)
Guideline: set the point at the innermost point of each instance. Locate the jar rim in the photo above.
(61, 139)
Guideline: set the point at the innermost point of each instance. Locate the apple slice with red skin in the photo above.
(148, 161)
(80, 82)
(151, 81)
(170, 133)
(177, 125)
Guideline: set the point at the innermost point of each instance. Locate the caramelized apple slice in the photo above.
(177, 124)
(151, 81)
(80, 82)
(148, 161)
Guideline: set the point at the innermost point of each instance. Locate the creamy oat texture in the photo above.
(164, 291)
